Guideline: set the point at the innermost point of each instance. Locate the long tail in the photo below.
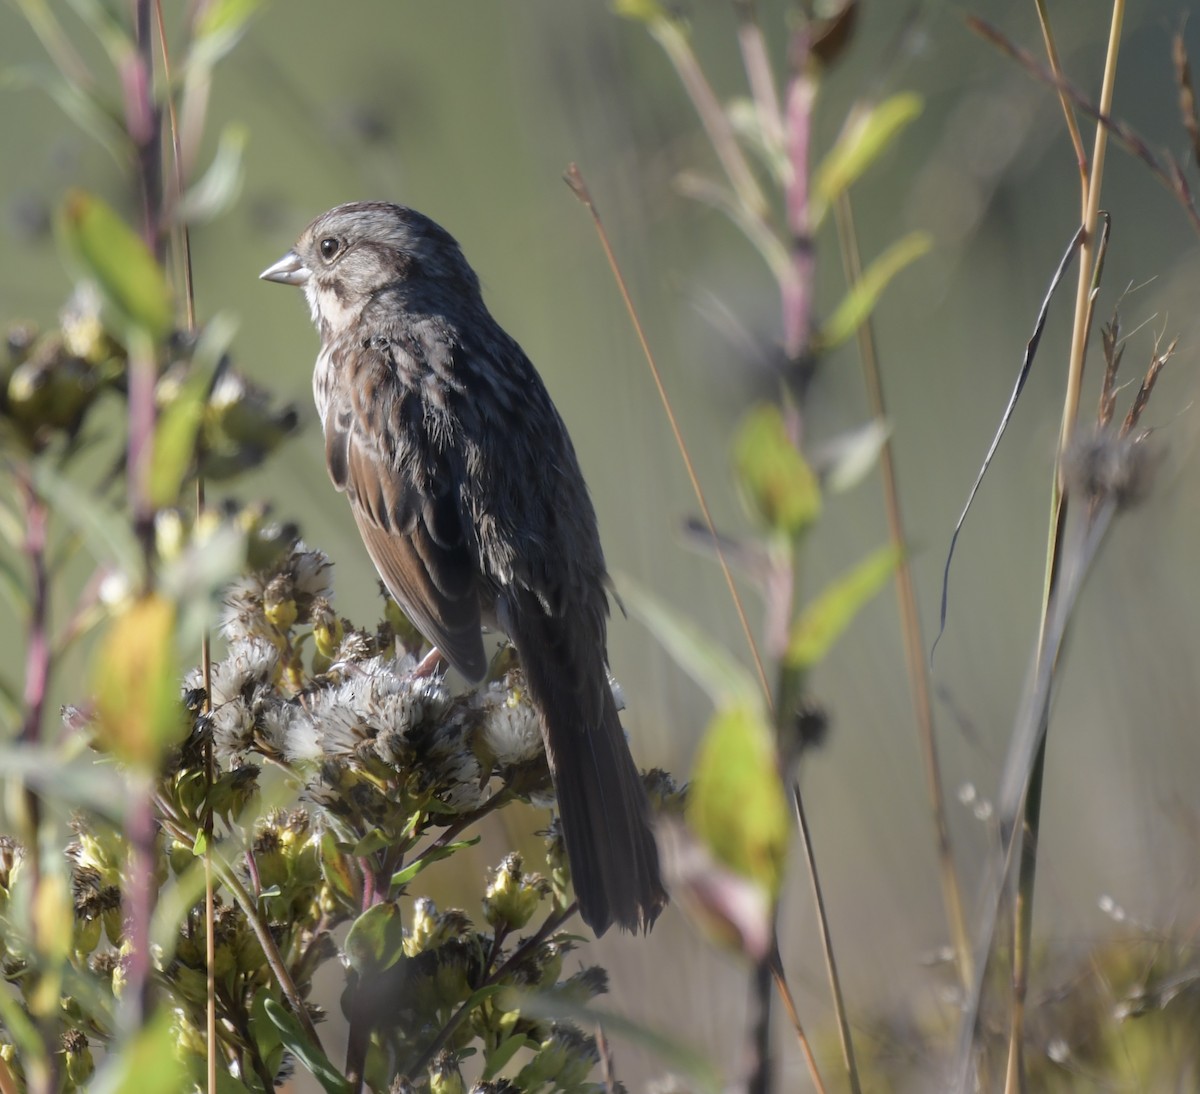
(601, 801)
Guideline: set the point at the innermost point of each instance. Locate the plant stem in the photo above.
(789, 1005)
(835, 985)
(910, 617)
(1027, 836)
(37, 655)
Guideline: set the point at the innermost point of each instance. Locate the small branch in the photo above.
(759, 75)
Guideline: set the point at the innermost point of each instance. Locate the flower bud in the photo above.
(512, 896)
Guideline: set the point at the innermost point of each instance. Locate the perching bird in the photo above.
(466, 489)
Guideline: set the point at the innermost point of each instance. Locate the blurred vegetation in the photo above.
(317, 779)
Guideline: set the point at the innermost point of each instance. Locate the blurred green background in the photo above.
(470, 111)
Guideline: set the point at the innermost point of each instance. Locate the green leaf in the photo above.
(824, 619)
(862, 141)
(136, 676)
(335, 868)
(332, 1081)
(376, 939)
(373, 841)
(500, 1056)
(219, 28)
(860, 301)
(108, 252)
(175, 439)
(403, 877)
(147, 1063)
(736, 802)
(776, 479)
(711, 666)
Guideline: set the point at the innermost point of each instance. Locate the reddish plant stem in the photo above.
(796, 290)
(141, 887)
(37, 653)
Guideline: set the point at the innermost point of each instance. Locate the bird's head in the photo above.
(350, 254)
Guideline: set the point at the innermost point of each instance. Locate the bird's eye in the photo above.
(329, 247)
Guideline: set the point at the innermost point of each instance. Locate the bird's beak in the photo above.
(289, 270)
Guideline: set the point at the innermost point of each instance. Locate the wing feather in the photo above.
(413, 533)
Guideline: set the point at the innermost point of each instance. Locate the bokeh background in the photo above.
(470, 111)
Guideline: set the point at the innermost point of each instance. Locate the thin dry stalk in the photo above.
(189, 297)
(1090, 267)
(835, 983)
(789, 1005)
(910, 619)
(1169, 174)
(575, 180)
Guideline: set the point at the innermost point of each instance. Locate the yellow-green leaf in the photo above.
(175, 439)
(736, 802)
(776, 478)
(376, 939)
(860, 301)
(860, 144)
(310, 1055)
(137, 684)
(824, 619)
(108, 252)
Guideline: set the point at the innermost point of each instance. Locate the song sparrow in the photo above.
(470, 501)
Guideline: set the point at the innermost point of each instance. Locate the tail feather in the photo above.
(601, 801)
